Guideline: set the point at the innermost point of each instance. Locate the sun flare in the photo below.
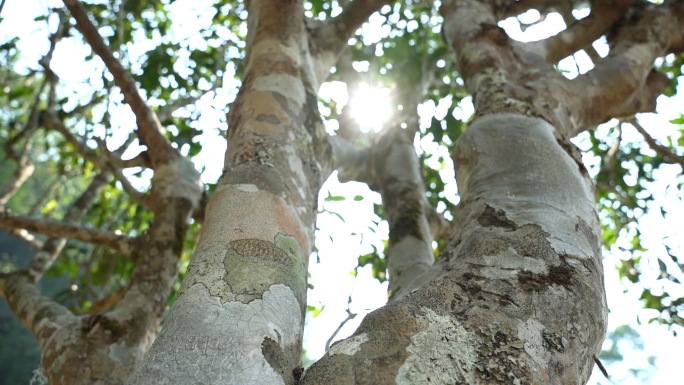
(371, 107)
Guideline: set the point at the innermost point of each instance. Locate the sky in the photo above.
(339, 243)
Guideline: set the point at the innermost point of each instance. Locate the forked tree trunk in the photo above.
(517, 296)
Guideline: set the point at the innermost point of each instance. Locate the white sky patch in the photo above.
(335, 91)
(550, 26)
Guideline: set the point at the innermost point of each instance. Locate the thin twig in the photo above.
(350, 316)
(53, 122)
(118, 242)
(664, 151)
(51, 249)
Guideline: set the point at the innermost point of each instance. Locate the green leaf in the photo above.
(334, 198)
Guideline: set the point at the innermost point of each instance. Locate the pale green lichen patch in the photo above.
(206, 268)
(443, 353)
(252, 265)
(290, 246)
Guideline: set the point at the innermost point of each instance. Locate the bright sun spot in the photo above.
(371, 107)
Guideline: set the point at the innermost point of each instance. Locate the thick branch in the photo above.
(581, 34)
(624, 83)
(514, 8)
(150, 130)
(121, 243)
(29, 305)
(403, 194)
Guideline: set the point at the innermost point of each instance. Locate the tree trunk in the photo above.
(517, 297)
(239, 314)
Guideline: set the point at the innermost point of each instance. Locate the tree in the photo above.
(516, 294)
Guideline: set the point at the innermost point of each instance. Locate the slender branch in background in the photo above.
(609, 159)
(150, 131)
(164, 113)
(21, 157)
(2, 5)
(120, 18)
(114, 157)
(27, 237)
(82, 108)
(52, 121)
(348, 128)
(118, 242)
(21, 174)
(666, 152)
(350, 316)
(620, 195)
(44, 195)
(42, 261)
(24, 166)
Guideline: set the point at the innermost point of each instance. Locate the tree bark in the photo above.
(517, 296)
(239, 314)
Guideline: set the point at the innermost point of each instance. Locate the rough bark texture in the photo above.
(398, 173)
(239, 315)
(518, 296)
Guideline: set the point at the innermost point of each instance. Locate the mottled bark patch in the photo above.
(561, 275)
(495, 218)
(268, 118)
(552, 341)
(252, 265)
(407, 224)
(265, 178)
(276, 358)
(499, 351)
(260, 249)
